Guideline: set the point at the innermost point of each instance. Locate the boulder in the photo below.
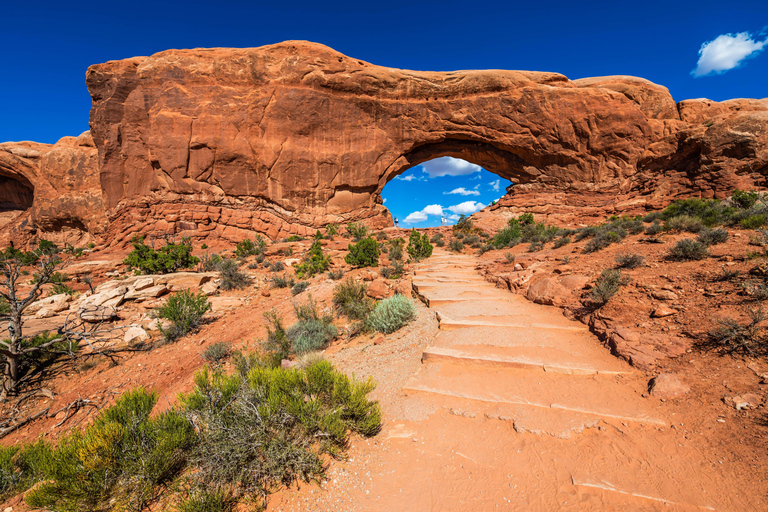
(663, 311)
(379, 289)
(210, 288)
(135, 334)
(147, 293)
(98, 314)
(667, 385)
(666, 295)
(555, 291)
(142, 283)
(54, 304)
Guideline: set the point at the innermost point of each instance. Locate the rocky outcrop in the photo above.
(57, 185)
(285, 138)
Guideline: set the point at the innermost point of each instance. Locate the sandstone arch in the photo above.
(286, 138)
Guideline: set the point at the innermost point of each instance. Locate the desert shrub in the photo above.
(728, 274)
(311, 334)
(315, 262)
(282, 281)
(10, 476)
(231, 277)
(607, 285)
(652, 217)
(381, 235)
(203, 499)
(525, 218)
(508, 236)
(255, 265)
(456, 245)
(654, 229)
(688, 250)
(685, 223)
(351, 300)
(59, 288)
(294, 238)
(629, 260)
(332, 230)
(755, 221)
(393, 271)
(217, 352)
(209, 263)
(509, 257)
(118, 462)
(708, 236)
(710, 212)
(744, 199)
(170, 258)
(535, 246)
(299, 287)
(395, 252)
(336, 275)
(419, 246)
(364, 253)
(357, 231)
(561, 242)
(277, 266)
(437, 237)
(271, 427)
(5, 308)
(472, 240)
(246, 248)
(731, 335)
(464, 224)
(755, 289)
(391, 314)
(185, 311)
(277, 344)
(459, 235)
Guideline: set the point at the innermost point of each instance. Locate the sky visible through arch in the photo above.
(445, 187)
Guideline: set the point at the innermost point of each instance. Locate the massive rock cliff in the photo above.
(286, 138)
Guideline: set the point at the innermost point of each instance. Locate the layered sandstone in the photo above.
(287, 138)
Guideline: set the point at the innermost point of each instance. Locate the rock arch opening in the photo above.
(439, 184)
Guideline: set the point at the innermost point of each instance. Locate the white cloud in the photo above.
(495, 185)
(410, 177)
(463, 192)
(725, 52)
(385, 201)
(449, 166)
(466, 207)
(433, 209)
(421, 216)
(415, 217)
(452, 217)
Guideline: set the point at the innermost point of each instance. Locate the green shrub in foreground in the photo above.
(607, 285)
(269, 428)
(119, 462)
(350, 299)
(364, 253)
(391, 314)
(185, 311)
(419, 246)
(312, 331)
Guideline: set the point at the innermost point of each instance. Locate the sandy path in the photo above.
(516, 408)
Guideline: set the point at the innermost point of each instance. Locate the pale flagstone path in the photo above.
(582, 437)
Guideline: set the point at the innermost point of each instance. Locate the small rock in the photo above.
(667, 385)
(135, 334)
(563, 269)
(664, 295)
(519, 266)
(210, 288)
(378, 289)
(143, 282)
(663, 311)
(265, 292)
(378, 340)
(96, 315)
(745, 401)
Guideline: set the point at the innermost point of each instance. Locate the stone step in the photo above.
(515, 322)
(552, 361)
(595, 396)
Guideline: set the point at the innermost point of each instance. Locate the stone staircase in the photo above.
(499, 356)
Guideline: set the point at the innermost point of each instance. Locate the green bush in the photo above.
(710, 212)
(709, 236)
(315, 262)
(246, 248)
(629, 260)
(391, 314)
(351, 300)
(755, 221)
(509, 257)
(217, 352)
(5, 308)
(331, 230)
(336, 275)
(464, 224)
(294, 238)
(357, 231)
(731, 335)
(185, 311)
(277, 266)
(744, 199)
(119, 462)
(688, 250)
(536, 245)
(278, 344)
(59, 288)
(299, 287)
(10, 477)
(393, 271)
(525, 219)
(271, 427)
(170, 258)
(364, 253)
(419, 246)
(202, 499)
(231, 277)
(654, 229)
(685, 223)
(209, 263)
(456, 245)
(282, 281)
(607, 285)
(395, 252)
(561, 242)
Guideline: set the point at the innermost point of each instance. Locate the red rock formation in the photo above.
(54, 187)
(286, 138)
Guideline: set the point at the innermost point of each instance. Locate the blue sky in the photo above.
(697, 49)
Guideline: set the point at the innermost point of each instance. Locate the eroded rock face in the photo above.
(56, 185)
(286, 138)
